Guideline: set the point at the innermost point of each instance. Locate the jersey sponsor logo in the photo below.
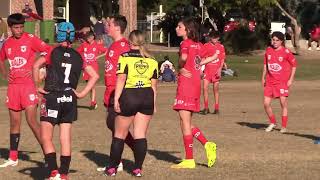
(32, 97)
(218, 51)
(178, 101)
(66, 54)
(9, 51)
(85, 49)
(197, 61)
(111, 53)
(94, 49)
(287, 51)
(52, 113)
(140, 84)
(122, 44)
(64, 99)
(108, 66)
(274, 67)
(269, 57)
(141, 67)
(23, 48)
(280, 59)
(89, 56)
(30, 35)
(43, 108)
(17, 62)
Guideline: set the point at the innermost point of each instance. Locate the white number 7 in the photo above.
(66, 72)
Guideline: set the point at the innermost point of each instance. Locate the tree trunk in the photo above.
(296, 28)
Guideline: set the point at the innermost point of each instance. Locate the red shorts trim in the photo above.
(109, 96)
(187, 103)
(276, 91)
(20, 96)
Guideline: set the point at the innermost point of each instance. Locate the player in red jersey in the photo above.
(20, 50)
(89, 51)
(115, 29)
(188, 101)
(212, 71)
(278, 74)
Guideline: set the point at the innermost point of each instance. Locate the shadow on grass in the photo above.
(263, 126)
(165, 155)
(102, 160)
(83, 107)
(253, 125)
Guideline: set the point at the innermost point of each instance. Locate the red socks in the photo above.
(188, 146)
(13, 155)
(284, 121)
(199, 135)
(272, 119)
(216, 106)
(206, 104)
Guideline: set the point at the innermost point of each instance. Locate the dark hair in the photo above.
(192, 29)
(214, 34)
(15, 18)
(278, 34)
(120, 21)
(88, 34)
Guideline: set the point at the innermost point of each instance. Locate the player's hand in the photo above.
(289, 83)
(117, 106)
(79, 95)
(185, 73)
(42, 91)
(263, 82)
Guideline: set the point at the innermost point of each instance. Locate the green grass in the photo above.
(249, 67)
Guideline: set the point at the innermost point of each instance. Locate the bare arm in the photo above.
(182, 62)
(154, 88)
(264, 72)
(92, 81)
(293, 72)
(121, 80)
(209, 59)
(3, 70)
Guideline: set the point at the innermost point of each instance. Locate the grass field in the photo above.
(245, 150)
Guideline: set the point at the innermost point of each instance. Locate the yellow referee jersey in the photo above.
(139, 70)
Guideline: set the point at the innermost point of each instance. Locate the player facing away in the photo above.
(59, 103)
(115, 28)
(188, 102)
(134, 101)
(277, 77)
(212, 71)
(89, 51)
(20, 50)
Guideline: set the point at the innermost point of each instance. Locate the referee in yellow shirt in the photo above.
(135, 97)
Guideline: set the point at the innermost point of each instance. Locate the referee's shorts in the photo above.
(134, 100)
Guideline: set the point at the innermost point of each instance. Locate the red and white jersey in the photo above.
(279, 65)
(190, 87)
(115, 50)
(209, 50)
(89, 52)
(21, 54)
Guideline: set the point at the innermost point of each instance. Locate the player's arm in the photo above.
(3, 57)
(154, 82)
(264, 72)
(293, 63)
(92, 81)
(209, 59)
(182, 62)
(36, 73)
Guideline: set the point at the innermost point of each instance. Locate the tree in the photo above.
(289, 9)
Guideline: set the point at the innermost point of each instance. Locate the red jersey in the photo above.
(115, 50)
(190, 87)
(315, 33)
(279, 65)
(89, 52)
(21, 54)
(209, 50)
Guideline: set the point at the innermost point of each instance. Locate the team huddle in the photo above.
(131, 75)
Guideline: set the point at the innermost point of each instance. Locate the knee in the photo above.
(266, 104)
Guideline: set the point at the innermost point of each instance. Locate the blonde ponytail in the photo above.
(137, 38)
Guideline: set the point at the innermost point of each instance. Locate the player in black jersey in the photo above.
(59, 104)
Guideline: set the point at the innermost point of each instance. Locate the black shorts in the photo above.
(137, 100)
(59, 107)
